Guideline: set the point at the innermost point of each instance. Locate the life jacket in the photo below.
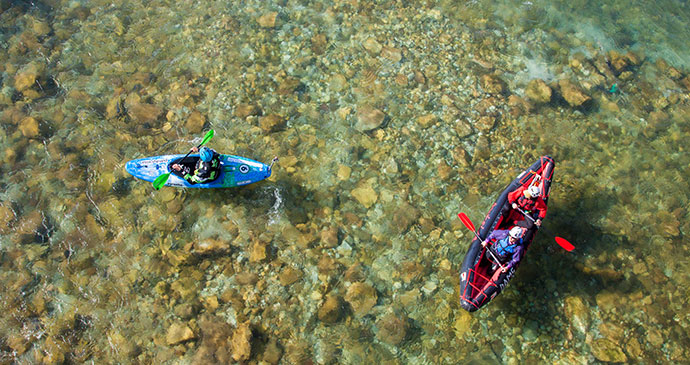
(205, 171)
(504, 249)
(526, 204)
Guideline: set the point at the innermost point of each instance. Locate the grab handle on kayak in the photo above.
(275, 159)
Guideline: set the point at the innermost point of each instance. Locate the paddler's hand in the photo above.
(484, 243)
(194, 149)
(514, 206)
(176, 167)
(538, 222)
(504, 269)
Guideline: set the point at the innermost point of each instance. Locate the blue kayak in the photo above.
(234, 170)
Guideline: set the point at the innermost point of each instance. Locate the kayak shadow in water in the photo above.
(549, 274)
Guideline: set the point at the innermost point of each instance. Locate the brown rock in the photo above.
(26, 77)
(29, 127)
(288, 85)
(268, 20)
(6, 218)
(195, 122)
(178, 333)
(365, 195)
(538, 91)
(319, 43)
(403, 217)
(426, 121)
(289, 276)
(392, 329)
(245, 110)
(486, 123)
(577, 313)
(461, 156)
(572, 93)
(606, 350)
(618, 61)
(492, 84)
(355, 273)
(211, 246)
(392, 54)
(258, 252)
(246, 278)
(272, 123)
(362, 297)
(372, 46)
(327, 265)
(331, 309)
(142, 112)
(241, 342)
(411, 271)
(463, 128)
(272, 352)
(329, 237)
(369, 118)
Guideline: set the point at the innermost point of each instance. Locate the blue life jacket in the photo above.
(504, 249)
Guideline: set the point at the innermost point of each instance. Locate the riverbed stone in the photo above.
(369, 118)
(392, 328)
(578, 314)
(572, 93)
(268, 20)
(606, 350)
(372, 46)
(29, 127)
(492, 84)
(272, 123)
(538, 91)
(178, 333)
(362, 297)
(241, 342)
(365, 195)
(195, 122)
(331, 309)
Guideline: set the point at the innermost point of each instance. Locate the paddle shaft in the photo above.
(560, 240)
(470, 226)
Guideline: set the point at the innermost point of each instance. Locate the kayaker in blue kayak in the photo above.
(206, 170)
(507, 244)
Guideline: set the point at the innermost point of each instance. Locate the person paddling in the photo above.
(531, 202)
(507, 245)
(207, 168)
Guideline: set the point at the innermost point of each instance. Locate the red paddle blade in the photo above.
(466, 221)
(565, 244)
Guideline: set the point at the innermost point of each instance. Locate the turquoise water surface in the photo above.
(389, 119)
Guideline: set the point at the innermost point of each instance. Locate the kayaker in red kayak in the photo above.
(531, 202)
(506, 245)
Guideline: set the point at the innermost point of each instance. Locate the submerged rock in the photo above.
(572, 93)
(272, 123)
(392, 329)
(362, 297)
(331, 309)
(604, 349)
(178, 333)
(578, 313)
(369, 118)
(538, 91)
(29, 127)
(241, 342)
(492, 84)
(268, 20)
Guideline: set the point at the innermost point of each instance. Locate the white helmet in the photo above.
(515, 232)
(534, 191)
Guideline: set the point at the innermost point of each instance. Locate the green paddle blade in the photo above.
(207, 137)
(160, 181)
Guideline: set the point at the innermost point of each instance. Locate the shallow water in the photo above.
(389, 119)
